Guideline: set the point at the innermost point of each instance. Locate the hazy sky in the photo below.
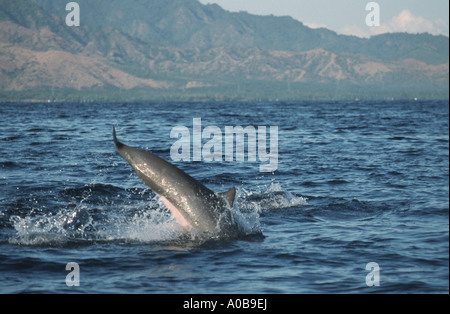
(349, 16)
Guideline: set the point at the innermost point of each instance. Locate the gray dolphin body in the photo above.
(193, 205)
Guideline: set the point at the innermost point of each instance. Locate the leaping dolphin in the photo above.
(193, 205)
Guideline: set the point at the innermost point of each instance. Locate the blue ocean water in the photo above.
(357, 183)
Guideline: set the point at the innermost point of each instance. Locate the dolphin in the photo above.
(193, 205)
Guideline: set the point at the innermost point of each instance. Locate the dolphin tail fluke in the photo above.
(229, 195)
(117, 144)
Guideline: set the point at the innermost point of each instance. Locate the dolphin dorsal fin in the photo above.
(229, 195)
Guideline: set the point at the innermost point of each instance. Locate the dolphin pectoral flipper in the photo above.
(229, 196)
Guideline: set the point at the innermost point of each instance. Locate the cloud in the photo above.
(404, 22)
(315, 25)
(407, 22)
(354, 30)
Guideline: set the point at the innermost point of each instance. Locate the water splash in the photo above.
(133, 216)
(272, 197)
(58, 229)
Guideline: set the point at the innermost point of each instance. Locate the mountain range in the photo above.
(182, 49)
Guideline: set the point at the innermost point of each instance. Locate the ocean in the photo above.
(358, 201)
